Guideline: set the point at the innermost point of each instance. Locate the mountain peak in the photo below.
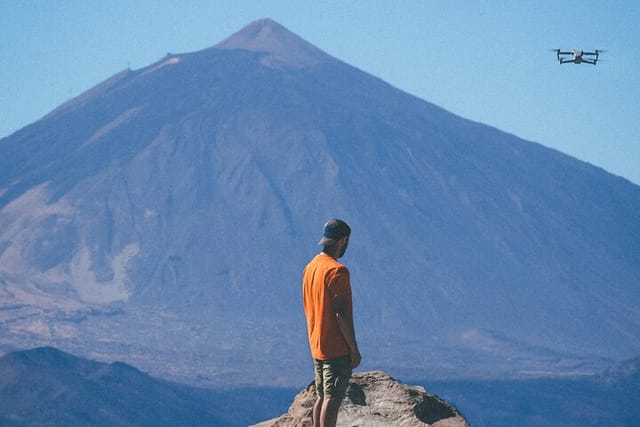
(283, 47)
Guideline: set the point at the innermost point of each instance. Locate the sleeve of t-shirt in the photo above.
(340, 289)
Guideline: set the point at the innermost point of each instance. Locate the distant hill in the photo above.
(163, 218)
(70, 391)
(46, 387)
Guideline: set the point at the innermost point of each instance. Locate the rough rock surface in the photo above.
(376, 399)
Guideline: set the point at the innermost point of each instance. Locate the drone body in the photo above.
(578, 56)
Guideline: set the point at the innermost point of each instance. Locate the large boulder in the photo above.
(376, 399)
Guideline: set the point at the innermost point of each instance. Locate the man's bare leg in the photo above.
(317, 411)
(329, 415)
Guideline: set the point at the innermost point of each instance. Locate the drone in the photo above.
(578, 56)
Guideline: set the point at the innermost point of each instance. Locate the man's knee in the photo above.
(332, 402)
(331, 405)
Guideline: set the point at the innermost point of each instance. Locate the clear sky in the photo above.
(488, 61)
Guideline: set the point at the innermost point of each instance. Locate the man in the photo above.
(326, 292)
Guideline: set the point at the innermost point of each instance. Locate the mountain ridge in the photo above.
(46, 386)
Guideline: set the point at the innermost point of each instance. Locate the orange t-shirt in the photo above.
(325, 283)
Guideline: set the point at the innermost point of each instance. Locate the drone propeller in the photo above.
(560, 52)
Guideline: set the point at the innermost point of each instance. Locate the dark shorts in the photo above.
(332, 376)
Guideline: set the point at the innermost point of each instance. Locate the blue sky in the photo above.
(488, 61)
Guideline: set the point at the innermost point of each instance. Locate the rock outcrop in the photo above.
(376, 399)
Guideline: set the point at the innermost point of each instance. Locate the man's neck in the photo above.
(330, 253)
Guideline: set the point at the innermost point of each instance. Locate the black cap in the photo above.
(334, 230)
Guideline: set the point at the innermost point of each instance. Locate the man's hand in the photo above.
(355, 358)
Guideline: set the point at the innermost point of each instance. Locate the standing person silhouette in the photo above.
(326, 293)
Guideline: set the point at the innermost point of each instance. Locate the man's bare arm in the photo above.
(345, 323)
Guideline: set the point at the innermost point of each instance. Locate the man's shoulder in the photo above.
(327, 264)
(328, 261)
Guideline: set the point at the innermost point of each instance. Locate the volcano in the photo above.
(163, 218)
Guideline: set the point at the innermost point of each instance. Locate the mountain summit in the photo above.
(164, 216)
(283, 48)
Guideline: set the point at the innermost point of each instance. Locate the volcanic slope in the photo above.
(164, 216)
